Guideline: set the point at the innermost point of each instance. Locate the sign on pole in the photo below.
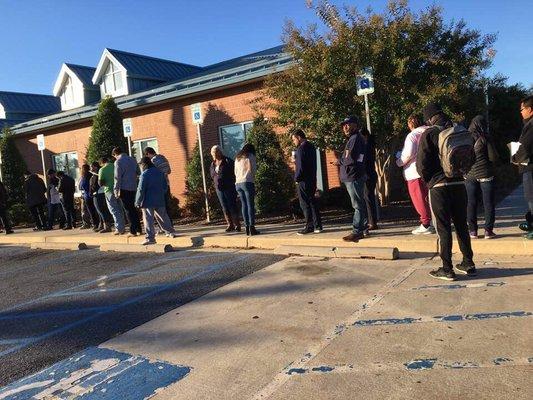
(41, 147)
(365, 86)
(198, 119)
(127, 129)
(196, 111)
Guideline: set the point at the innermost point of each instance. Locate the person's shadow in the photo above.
(493, 272)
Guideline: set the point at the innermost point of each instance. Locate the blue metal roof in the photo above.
(29, 103)
(214, 77)
(84, 73)
(142, 66)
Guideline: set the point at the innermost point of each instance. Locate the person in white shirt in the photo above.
(418, 190)
(245, 168)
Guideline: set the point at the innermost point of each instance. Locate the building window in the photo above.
(68, 92)
(112, 80)
(67, 162)
(232, 137)
(140, 145)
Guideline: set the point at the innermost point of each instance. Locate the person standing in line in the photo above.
(245, 169)
(353, 174)
(447, 195)
(3, 210)
(222, 172)
(106, 179)
(150, 197)
(418, 190)
(89, 216)
(35, 190)
(162, 164)
(100, 206)
(524, 158)
(481, 178)
(125, 187)
(67, 188)
(371, 179)
(305, 178)
(54, 201)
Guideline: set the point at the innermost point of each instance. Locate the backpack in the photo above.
(456, 151)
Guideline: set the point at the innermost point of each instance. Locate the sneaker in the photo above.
(473, 235)
(147, 242)
(9, 232)
(230, 228)
(441, 274)
(466, 268)
(366, 233)
(84, 227)
(105, 230)
(422, 230)
(252, 231)
(319, 230)
(116, 233)
(353, 237)
(305, 231)
(489, 235)
(171, 235)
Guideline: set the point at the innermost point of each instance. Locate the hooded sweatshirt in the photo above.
(483, 167)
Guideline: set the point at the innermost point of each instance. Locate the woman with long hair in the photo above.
(223, 174)
(245, 169)
(89, 216)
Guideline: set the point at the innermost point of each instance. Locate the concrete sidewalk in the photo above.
(510, 240)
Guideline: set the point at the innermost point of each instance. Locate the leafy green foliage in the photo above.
(273, 183)
(106, 132)
(416, 58)
(194, 187)
(13, 167)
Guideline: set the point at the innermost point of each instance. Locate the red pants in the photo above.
(419, 196)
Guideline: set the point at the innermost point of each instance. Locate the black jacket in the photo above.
(35, 190)
(93, 183)
(370, 162)
(353, 159)
(305, 170)
(428, 163)
(67, 186)
(3, 195)
(484, 150)
(224, 179)
(525, 151)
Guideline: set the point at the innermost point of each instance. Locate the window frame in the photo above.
(244, 130)
(140, 141)
(68, 169)
(114, 74)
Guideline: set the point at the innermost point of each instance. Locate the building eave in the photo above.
(181, 89)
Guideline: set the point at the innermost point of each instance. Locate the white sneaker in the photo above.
(147, 242)
(421, 230)
(171, 235)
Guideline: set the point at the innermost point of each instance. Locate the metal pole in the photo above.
(487, 104)
(203, 171)
(1, 165)
(44, 169)
(367, 113)
(129, 146)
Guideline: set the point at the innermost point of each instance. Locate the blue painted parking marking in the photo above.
(443, 318)
(459, 286)
(97, 373)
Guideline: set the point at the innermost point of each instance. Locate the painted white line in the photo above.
(107, 290)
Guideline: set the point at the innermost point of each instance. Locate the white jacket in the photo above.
(407, 158)
(245, 169)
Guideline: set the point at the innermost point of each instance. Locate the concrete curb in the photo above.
(377, 253)
(59, 246)
(137, 248)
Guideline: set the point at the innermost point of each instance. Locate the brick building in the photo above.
(156, 94)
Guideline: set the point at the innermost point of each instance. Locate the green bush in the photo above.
(13, 167)
(194, 189)
(106, 132)
(274, 185)
(19, 214)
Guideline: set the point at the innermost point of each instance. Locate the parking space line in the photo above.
(106, 290)
(8, 342)
(23, 315)
(210, 269)
(459, 286)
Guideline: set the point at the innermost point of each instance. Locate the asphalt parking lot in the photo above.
(55, 303)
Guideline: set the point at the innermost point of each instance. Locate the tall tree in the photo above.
(13, 167)
(106, 132)
(416, 58)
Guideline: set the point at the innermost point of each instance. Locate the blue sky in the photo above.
(39, 35)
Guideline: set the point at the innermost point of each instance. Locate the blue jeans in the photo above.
(228, 201)
(115, 207)
(356, 190)
(160, 215)
(473, 189)
(246, 191)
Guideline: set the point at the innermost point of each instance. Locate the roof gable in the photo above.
(79, 72)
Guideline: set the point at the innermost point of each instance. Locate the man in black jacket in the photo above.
(3, 209)
(305, 177)
(524, 158)
(67, 187)
(447, 197)
(35, 190)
